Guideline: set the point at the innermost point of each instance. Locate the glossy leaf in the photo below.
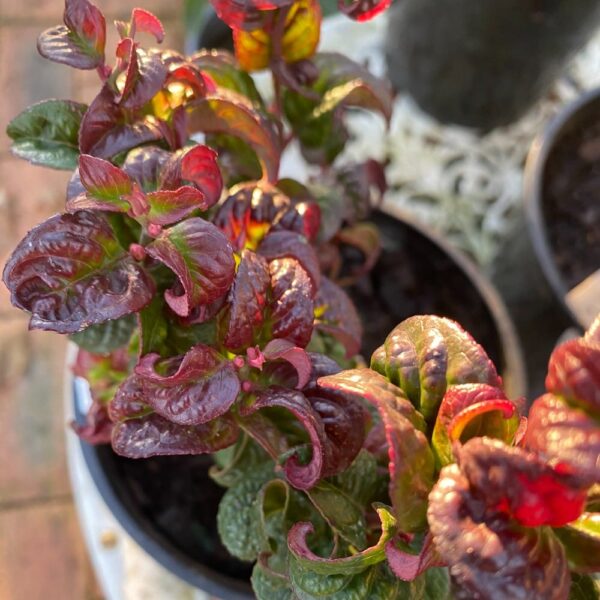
(240, 14)
(290, 311)
(144, 21)
(409, 566)
(145, 76)
(233, 464)
(80, 41)
(198, 253)
(299, 40)
(574, 374)
(170, 206)
(469, 410)
(363, 10)
(360, 479)
(488, 555)
(268, 587)
(228, 112)
(97, 428)
(196, 388)
(107, 131)
(289, 244)
(144, 166)
(70, 272)
(106, 337)
(297, 357)
(336, 315)
(581, 540)
(151, 435)
(411, 461)
(425, 354)
(565, 436)
(350, 565)
(46, 133)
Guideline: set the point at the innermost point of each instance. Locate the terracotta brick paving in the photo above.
(42, 555)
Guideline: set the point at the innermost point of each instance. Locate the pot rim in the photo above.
(509, 341)
(158, 547)
(533, 188)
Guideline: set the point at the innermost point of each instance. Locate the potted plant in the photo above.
(195, 310)
(483, 64)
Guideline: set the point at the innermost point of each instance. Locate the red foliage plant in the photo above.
(190, 277)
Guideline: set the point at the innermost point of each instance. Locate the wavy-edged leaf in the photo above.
(350, 565)
(243, 14)
(360, 479)
(299, 40)
(336, 315)
(226, 111)
(195, 389)
(234, 463)
(581, 540)
(411, 459)
(291, 307)
(224, 69)
(289, 244)
(106, 130)
(517, 482)
(425, 354)
(46, 133)
(248, 296)
(565, 436)
(80, 41)
(97, 428)
(298, 358)
(151, 435)
(574, 374)
(363, 10)
(70, 272)
(269, 587)
(106, 337)
(469, 410)
(201, 257)
(490, 556)
(409, 566)
(103, 372)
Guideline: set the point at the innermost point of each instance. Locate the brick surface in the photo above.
(32, 445)
(42, 556)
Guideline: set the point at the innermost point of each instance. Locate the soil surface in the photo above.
(571, 203)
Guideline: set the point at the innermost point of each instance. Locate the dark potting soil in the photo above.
(571, 203)
(412, 277)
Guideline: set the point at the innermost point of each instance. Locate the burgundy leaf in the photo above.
(152, 435)
(519, 483)
(567, 437)
(80, 42)
(409, 566)
(129, 401)
(337, 316)
(425, 354)
(489, 556)
(105, 131)
(198, 167)
(198, 253)
(291, 309)
(363, 10)
(243, 14)
(70, 272)
(333, 422)
(146, 75)
(144, 166)
(246, 302)
(97, 428)
(197, 388)
(411, 460)
(146, 22)
(226, 111)
(472, 409)
(297, 357)
(169, 206)
(105, 182)
(289, 244)
(574, 374)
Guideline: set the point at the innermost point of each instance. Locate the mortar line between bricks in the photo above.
(25, 503)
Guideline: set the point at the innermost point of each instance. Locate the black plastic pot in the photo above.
(526, 273)
(483, 63)
(128, 490)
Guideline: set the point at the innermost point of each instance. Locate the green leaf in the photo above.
(270, 587)
(234, 463)
(360, 479)
(581, 540)
(584, 587)
(106, 337)
(437, 583)
(47, 133)
(153, 327)
(236, 519)
(426, 354)
(341, 511)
